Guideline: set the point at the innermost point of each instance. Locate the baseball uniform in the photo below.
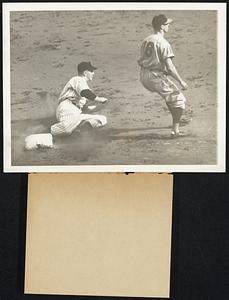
(154, 51)
(71, 102)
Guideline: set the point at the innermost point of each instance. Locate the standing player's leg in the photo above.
(175, 101)
(160, 83)
(176, 113)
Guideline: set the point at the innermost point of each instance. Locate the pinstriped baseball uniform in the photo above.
(69, 111)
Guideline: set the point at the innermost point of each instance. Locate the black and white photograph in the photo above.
(123, 87)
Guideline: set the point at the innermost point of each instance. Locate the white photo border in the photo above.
(221, 85)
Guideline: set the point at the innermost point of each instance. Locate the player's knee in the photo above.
(175, 100)
(54, 130)
(60, 131)
(67, 129)
(181, 100)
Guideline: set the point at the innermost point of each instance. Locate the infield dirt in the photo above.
(45, 50)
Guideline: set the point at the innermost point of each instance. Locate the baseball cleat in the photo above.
(175, 135)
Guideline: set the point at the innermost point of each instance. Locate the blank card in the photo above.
(103, 234)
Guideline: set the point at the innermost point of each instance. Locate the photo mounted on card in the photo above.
(109, 238)
(120, 87)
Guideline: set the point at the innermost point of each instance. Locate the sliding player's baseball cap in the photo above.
(85, 66)
(160, 20)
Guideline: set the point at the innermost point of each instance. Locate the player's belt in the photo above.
(72, 99)
(76, 105)
(155, 70)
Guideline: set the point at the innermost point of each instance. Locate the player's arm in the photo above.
(65, 89)
(142, 54)
(172, 71)
(87, 93)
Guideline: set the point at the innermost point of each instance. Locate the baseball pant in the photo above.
(156, 81)
(70, 116)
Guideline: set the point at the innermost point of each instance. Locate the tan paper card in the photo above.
(99, 234)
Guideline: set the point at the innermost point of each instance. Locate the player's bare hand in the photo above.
(101, 99)
(184, 85)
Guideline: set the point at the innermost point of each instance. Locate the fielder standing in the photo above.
(72, 101)
(156, 64)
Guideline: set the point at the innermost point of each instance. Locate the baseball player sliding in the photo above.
(156, 64)
(73, 99)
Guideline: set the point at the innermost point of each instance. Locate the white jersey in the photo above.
(73, 89)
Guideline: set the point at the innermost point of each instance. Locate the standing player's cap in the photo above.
(85, 66)
(160, 20)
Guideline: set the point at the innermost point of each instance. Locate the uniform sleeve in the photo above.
(82, 85)
(165, 51)
(65, 90)
(88, 94)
